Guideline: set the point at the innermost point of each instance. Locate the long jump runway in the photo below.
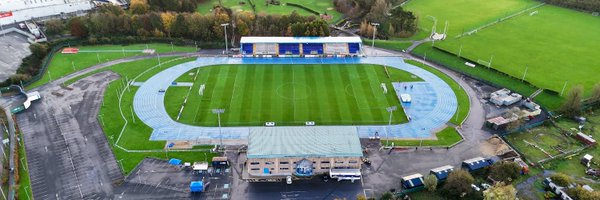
(433, 101)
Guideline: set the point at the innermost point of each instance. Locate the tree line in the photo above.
(113, 21)
(586, 5)
(392, 20)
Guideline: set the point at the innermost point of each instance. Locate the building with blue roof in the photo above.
(412, 181)
(441, 173)
(477, 163)
(300, 46)
(277, 152)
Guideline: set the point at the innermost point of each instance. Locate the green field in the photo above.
(64, 64)
(316, 5)
(556, 44)
(444, 138)
(136, 134)
(289, 95)
(462, 15)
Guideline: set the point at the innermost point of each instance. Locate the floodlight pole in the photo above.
(460, 50)
(218, 112)
(374, 34)
(226, 47)
(391, 110)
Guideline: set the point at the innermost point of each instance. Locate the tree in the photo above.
(500, 191)
(39, 50)
(77, 28)
(179, 27)
(561, 179)
(595, 97)
(387, 196)
(54, 26)
(458, 183)
(572, 105)
(505, 171)
(583, 194)
(139, 6)
(361, 197)
(167, 19)
(430, 182)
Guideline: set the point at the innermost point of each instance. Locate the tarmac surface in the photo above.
(157, 179)
(13, 48)
(68, 155)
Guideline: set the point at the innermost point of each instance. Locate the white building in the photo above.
(12, 11)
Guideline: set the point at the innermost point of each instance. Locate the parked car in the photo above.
(288, 180)
(475, 187)
(325, 178)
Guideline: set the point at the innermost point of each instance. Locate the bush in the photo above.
(458, 183)
(561, 179)
(505, 171)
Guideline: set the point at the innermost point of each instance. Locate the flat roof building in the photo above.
(18, 11)
(474, 164)
(277, 152)
(441, 173)
(300, 46)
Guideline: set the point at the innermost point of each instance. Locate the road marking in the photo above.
(46, 148)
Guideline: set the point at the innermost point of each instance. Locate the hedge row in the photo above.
(303, 7)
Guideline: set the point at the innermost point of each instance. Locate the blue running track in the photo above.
(433, 101)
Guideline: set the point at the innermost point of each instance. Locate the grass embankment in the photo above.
(389, 44)
(445, 137)
(289, 95)
(547, 99)
(64, 64)
(282, 9)
(136, 135)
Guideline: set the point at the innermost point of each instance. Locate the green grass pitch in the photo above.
(288, 95)
(556, 44)
(462, 15)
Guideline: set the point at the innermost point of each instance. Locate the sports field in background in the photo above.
(556, 44)
(462, 15)
(63, 64)
(288, 95)
(320, 6)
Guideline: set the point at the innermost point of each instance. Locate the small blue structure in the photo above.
(196, 186)
(174, 161)
(412, 181)
(477, 163)
(441, 173)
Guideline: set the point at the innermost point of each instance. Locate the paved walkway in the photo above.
(441, 101)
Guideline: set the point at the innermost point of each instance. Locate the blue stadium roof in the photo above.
(280, 40)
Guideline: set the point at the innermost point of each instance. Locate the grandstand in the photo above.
(300, 46)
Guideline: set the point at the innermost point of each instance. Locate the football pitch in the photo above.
(547, 46)
(337, 94)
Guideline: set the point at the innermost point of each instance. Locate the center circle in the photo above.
(293, 91)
